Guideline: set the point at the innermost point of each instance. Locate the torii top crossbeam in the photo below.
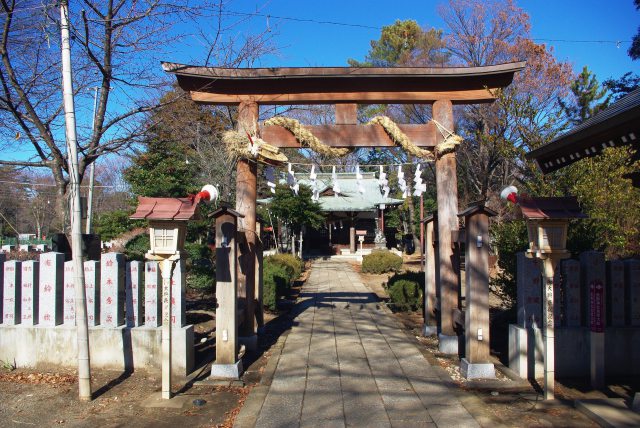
(345, 87)
(333, 85)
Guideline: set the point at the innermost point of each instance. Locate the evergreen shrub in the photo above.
(381, 261)
(406, 295)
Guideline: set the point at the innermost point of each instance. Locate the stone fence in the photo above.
(123, 312)
(589, 295)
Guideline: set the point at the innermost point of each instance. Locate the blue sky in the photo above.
(316, 44)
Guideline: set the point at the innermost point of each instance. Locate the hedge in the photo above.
(275, 284)
(381, 261)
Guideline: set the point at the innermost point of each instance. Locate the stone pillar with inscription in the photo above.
(529, 291)
(570, 270)
(152, 298)
(12, 300)
(30, 280)
(92, 290)
(112, 290)
(592, 269)
(632, 291)
(50, 303)
(69, 295)
(615, 293)
(133, 293)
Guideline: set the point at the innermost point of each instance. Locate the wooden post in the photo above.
(226, 364)
(447, 190)
(430, 326)
(166, 266)
(346, 114)
(258, 280)
(246, 193)
(476, 362)
(352, 240)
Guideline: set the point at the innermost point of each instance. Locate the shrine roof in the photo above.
(616, 125)
(165, 209)
(550, 208)
(349, 198)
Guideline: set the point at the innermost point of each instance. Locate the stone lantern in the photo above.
(547, 222)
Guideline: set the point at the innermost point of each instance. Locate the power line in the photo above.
(371, 27)
(324, 22)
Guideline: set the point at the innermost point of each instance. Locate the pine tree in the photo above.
(590, 98)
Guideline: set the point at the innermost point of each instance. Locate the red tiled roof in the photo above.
(550, 208)
(165, 208)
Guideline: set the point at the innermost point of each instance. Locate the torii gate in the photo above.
(346, 87)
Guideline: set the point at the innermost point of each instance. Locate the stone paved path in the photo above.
(347, 363)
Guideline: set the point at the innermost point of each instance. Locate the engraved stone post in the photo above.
(51, 289)
(593, 283)
(632, 291)
(12, 300)
(30, 280)
(69, 293)
(615, 293)
(529, 292)
(152, 299)
(92, 290)
(571, 286)
(112, 290)
(133, 293)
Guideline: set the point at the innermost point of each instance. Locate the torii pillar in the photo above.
(447, 196)
(246, 194)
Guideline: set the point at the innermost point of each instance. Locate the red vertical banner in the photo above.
(596, 299)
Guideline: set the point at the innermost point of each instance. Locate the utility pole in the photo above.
(92, 171)
(84, 371)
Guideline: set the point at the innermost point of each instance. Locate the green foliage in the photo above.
(381, 261)
(137, 247)
(508, 238)
(404, 43)
(406, 295)
(161, 171)
(275, 283)
(622, 86)
(112, 224)
(291, 263)
(634, 49)
(200, 268)
(589, 96)
(417, 277)
(297, 210)
(610, 201)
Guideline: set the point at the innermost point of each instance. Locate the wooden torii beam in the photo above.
(346, 87)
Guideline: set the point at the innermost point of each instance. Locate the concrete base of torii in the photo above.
(477, 370)
(226, 371)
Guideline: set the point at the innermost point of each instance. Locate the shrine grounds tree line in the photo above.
(166, 138)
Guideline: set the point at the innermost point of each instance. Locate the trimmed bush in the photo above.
(293, 264)
(381, 261)
(406, 295)
(417, 277)
(275, 283)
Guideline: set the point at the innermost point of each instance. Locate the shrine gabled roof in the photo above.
(349, 198)
(550, 208)
(165, 209)
(315, 85)
(618, 124)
